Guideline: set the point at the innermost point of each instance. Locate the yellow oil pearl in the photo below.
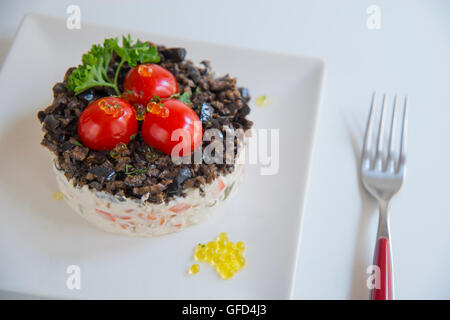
(217, 259)
(114, 154)
(228, 274)
(225, 256)
(212, 245)
(194, 269)
(224, 267)
(262, 101)
(235, 252)
(240, 246)
(200, 255)
(57, 195)
(242, 262)
(229, 246)
(222, 236)
(221, 244)
(209, 254)
(235, 265)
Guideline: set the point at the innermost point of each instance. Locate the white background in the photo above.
(410, 54)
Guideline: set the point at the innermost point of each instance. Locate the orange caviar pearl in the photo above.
(157, 109)
(145, 70)
(140, 112)
(115, 110)
(121, 147)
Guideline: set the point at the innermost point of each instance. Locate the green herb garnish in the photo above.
(133, 136)
(129, 170)
(185, 98)
(76, 142)
(94, 68)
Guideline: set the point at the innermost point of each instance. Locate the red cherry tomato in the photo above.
(106, 122)
(161, 124)
(145, 81)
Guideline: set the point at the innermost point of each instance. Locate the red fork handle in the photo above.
(384, 263)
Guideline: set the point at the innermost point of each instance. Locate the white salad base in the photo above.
(139, 218)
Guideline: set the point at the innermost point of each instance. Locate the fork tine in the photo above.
(402, 156)
(379, 154)
(390, 166)
(368, 135)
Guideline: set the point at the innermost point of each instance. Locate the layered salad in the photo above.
(145, 142)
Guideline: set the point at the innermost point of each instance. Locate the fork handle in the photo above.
(384, 263)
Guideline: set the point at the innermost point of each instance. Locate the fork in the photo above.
(382, 172)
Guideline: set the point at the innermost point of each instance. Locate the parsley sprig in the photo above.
(185, 97)
(93, 72)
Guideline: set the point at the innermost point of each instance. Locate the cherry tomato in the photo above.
(106, 122)
(145, 81)
(162, 120)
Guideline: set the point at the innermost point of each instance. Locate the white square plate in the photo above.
(40, 237)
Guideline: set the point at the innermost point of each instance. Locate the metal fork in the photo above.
(382, 172)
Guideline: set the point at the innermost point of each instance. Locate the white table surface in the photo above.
(410, 54)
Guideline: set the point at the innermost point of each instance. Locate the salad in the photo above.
(138, 137)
